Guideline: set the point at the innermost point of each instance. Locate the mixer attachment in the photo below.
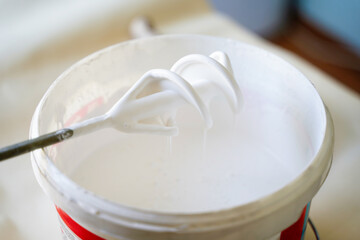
(149, 106)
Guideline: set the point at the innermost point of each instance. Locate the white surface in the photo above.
(26, 213)
(146, 171)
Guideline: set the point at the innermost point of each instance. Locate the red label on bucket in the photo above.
(74, 231)
(75, 228)
(297, 230)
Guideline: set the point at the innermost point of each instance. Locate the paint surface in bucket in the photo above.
(229, 167)
(240, 159)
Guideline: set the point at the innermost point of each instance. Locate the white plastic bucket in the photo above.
(92, 84)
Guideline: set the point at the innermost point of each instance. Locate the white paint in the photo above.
(238, 166)
(222, 167)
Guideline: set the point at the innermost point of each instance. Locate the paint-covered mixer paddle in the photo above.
(149, 106)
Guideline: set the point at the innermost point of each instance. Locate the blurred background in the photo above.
(39, 39)
(324, 32)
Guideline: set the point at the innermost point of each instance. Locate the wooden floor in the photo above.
(322, 50)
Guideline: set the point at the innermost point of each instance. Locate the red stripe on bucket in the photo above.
(294, 232)
(84, 111)
(78, 230)
(297, 230)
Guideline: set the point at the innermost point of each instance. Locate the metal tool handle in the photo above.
(33, 144)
